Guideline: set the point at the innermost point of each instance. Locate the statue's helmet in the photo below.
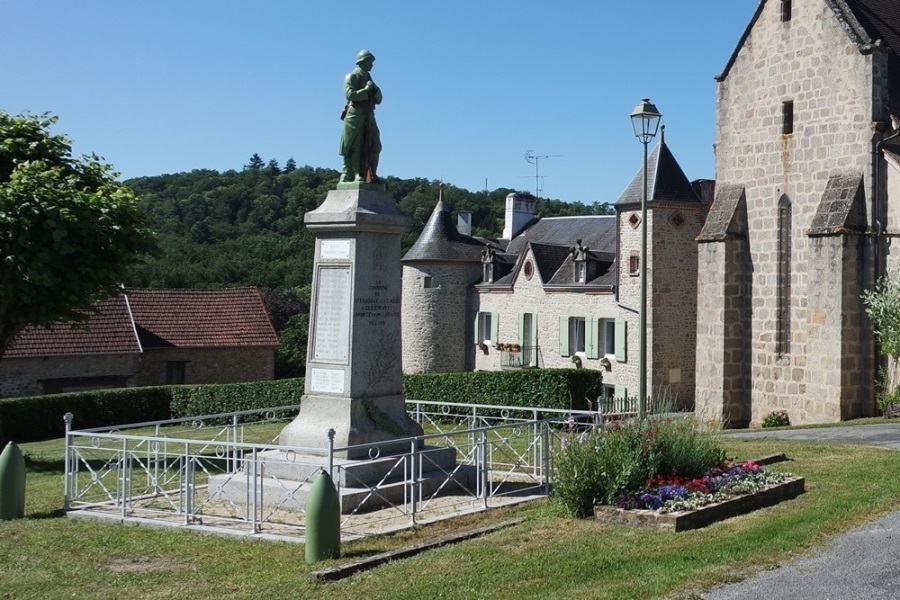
(363, 56)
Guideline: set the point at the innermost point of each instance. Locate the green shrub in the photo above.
(544, 388)
(777, 418)
(193, 400)
(598, 467)
(41, 417)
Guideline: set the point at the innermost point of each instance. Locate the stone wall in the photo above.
(28, 376)
(436, 328)
(812, 62)
(209, 365)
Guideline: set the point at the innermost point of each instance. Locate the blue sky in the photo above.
(469, 86)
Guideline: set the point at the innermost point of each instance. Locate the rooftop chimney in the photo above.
(519, 212)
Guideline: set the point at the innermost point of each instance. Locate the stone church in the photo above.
(563, 292)
(801, 223)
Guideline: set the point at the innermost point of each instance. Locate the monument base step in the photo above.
(283, 479)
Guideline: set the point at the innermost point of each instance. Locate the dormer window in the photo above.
(580, 272)
(488, 265)
(579, 259)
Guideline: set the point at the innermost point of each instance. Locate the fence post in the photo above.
(67, 480)
(414, 479)
(331, 433)
(188, 484)
(545, 459)
(256, 485)
(483, 471)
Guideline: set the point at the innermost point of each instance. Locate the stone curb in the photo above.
(706, 515)
(348, 569)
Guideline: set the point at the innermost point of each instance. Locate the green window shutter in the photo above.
(477, 333)
(591, 338)
(621, 340)
(522, 329)
(495, 328)
(564, 336)
(534, 331)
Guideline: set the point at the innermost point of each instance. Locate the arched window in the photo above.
(784, 276)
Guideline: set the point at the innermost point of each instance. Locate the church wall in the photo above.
(811, 61)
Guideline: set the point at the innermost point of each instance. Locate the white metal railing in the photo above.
(227, 471)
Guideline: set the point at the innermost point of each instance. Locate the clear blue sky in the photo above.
(469, 85)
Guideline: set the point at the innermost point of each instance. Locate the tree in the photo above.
(256, 162)
(69, 231)
(290, 166)
(273, 167)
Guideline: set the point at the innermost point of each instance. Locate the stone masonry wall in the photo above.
(209, 365)
(436, 328)
(25, 376)
(811, 61)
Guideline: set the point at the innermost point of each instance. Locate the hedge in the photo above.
(544, 388)
(191, 400)
(34, 418)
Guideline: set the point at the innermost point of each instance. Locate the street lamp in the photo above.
(645, 119)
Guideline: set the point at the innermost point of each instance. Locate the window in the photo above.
(634, 263)
(576, 335)
(785, 11)
(529, 270)
(175, 372)
(580, 271)
(488, 274)
(607, 337)
(784, 278)
(485, 327)
(787, 117)
(428, 282)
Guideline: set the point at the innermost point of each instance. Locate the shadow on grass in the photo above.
(43, 465)
(49, 514)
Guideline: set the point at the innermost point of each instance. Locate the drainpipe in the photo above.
(879, 191)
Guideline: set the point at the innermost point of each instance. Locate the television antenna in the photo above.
(535, 159)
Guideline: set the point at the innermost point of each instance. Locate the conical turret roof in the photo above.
(440, 240)
(666, 182)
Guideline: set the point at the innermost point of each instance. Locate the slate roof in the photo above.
(111, 331)
(145, 318)
(598, 232)
(606, 261)
(202, 318)
(440, 240)
(666, 181)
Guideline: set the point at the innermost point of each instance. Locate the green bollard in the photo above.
(12, 483)
(323, 520)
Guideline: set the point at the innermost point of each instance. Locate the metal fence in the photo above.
(228, 473)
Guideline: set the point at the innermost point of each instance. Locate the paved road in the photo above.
(862, 564)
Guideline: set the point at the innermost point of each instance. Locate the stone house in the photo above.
(147, 337)
(802, 221)
(562, 292)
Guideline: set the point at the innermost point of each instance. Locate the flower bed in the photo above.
(681, 503)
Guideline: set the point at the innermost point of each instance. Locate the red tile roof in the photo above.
(202, 318)
(144, 318)
(111, 331)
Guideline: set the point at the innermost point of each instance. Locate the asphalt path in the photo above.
(862, 564)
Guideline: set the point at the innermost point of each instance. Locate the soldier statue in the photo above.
(360, 138)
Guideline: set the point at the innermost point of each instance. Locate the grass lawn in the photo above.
(549, 556)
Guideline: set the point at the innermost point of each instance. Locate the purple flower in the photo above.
(649, 501)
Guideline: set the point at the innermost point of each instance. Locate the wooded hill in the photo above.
(245, 228)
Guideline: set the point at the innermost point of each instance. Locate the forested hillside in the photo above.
(245, 228)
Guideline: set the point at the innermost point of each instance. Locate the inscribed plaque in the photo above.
(332, 318)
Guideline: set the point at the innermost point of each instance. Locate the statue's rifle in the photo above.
(367, 139)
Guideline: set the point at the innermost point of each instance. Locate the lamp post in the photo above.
(645, 120)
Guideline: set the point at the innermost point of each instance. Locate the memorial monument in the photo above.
(354, 382)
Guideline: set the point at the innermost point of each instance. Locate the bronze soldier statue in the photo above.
(360, 138)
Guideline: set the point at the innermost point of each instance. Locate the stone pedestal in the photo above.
(354, 381)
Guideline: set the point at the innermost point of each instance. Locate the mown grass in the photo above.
(548, 556)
